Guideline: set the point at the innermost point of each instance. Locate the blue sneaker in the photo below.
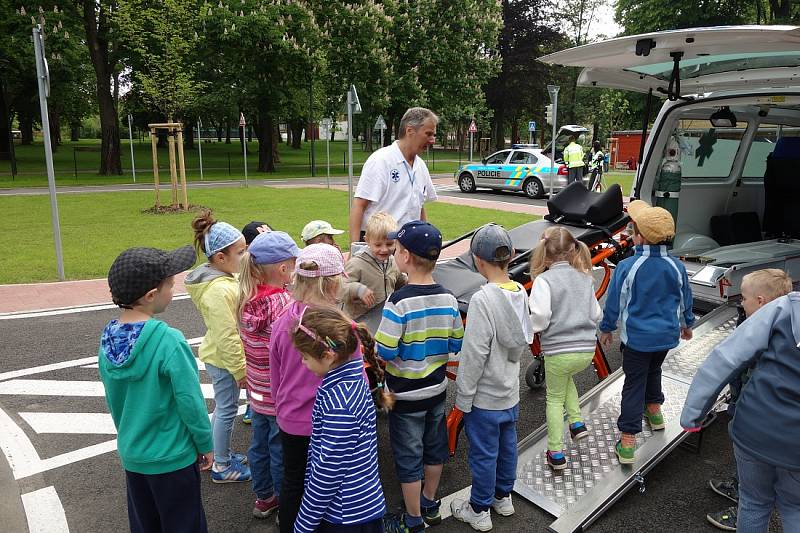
(234, 472)
(396, 523)
(239, 458)
(247, 418)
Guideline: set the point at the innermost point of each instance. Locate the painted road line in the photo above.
(444, 507)
(52, 387)
(84, 423)
(44, 511)
(69, 310)
(46, 368)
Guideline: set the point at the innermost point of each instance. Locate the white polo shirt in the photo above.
(391, 185)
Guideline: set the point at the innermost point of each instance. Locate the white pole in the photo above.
(553, 146)
(43, 78)
(470, 146)
(130, 140)
(244, 145)
(382, 128)
(328, 150)
(200, 146)
(350, 149)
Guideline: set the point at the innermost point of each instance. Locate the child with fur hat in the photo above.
(651, 292)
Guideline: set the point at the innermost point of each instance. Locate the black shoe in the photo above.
(728, 488)
(724, 519)
(578, 431)
(431, 515)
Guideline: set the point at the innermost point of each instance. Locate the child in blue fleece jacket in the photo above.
(650, 293)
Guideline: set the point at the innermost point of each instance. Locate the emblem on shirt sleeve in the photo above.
(395, 175)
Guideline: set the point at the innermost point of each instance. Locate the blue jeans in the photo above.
(642, 386)
(492, 453)
(417, 439)
(226, 399)
(761, 488)
(265, 456)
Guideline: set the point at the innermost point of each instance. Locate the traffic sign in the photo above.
(242, 123)
(532, 125)
(472, 127)
(380, 124)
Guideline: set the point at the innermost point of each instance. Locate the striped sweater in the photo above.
(255, 329)
(421, 326)
(342, 484)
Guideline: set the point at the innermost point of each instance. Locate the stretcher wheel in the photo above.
(534, 375)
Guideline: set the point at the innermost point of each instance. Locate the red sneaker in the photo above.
(264, 508)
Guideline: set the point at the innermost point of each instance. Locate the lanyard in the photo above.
(411, 177)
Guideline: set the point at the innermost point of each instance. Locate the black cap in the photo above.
(136, 271)
(250, 231)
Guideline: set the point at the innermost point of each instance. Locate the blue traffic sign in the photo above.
(532, 125)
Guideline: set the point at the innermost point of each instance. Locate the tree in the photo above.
(98, 23)
(642, 16)
(519, 89)
(160, 39)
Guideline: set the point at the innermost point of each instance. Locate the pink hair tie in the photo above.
(353, 325)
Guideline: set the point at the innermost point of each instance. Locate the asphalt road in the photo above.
(92, 490)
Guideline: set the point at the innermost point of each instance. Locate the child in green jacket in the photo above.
(153, 391)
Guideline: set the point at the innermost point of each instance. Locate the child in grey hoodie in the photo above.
(498, 332)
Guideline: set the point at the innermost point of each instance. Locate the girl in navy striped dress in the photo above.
(342, 488)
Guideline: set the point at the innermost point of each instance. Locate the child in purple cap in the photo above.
(317, 281)
(265, 273)
(215, 292)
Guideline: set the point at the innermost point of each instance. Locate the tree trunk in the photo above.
(228, 130)
(219, 133)
(188, 136)
(162, 139)
(276, 143)
(265, 134)
(97, 33)
(249, 133)
(75, 131)
(515, 132)
(368, 136)
(297, 133)
(499, 129)
(55, 129)
(26, 127)
(5, 126)
(781, 11)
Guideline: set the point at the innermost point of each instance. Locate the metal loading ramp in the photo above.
(594, 479)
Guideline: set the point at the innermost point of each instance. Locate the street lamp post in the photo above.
(552, 90)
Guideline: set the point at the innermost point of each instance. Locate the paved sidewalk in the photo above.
(29, 297)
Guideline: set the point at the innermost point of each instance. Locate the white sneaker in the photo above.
(503, 506)
(463, 511)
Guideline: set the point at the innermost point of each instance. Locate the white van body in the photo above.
(751, 72)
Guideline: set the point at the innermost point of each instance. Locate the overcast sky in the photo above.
(604, 25)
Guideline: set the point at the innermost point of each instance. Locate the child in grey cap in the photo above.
(498, 332)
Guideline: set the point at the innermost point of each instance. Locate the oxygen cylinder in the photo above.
(668, 186)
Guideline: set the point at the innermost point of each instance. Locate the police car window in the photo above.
(522, 158)
(763, 144)
(497, 159)
(707, 152)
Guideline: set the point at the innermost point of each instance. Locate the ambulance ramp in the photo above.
(594, 479)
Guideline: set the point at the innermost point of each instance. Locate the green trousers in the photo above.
(562, 394)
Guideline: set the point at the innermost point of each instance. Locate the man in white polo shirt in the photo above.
(394, 178)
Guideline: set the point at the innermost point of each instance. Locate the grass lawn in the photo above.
(96, 227)
(217, 157)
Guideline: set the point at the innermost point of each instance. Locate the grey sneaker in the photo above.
(724, 519)
(503, 506)
(463, 511)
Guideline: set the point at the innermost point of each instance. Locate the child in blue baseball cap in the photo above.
(266, 271)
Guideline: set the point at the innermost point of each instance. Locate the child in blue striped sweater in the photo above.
(342, 487)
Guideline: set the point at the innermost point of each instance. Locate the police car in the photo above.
(523, 167)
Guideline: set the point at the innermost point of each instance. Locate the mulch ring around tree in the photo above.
(173, 209)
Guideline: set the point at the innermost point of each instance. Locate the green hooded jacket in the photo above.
(155, 400)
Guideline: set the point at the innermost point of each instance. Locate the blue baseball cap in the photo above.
(273, 247)
(420, 238)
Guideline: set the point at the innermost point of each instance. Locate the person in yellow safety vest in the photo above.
(573, 157)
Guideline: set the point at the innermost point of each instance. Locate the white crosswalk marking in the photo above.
(52, 387)
(94, 423)
(44, 511)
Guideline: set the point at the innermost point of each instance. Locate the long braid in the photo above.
(383, 398)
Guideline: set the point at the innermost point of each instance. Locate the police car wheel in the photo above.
(466, 183)
(533, 188)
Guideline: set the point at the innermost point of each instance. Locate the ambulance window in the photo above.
(522, 158)
(708, 152)
(497, 159)
(763, 143)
